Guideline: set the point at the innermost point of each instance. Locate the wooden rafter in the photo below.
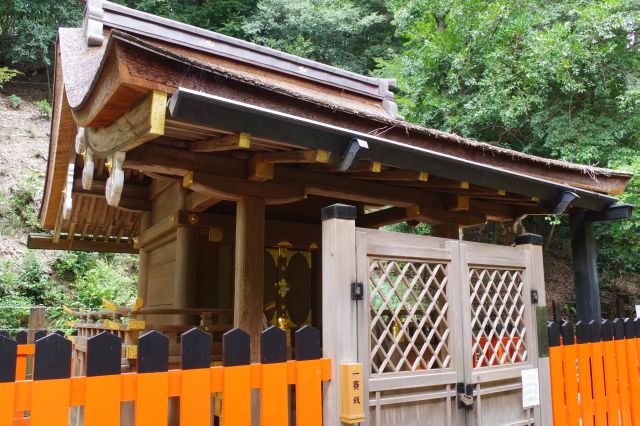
(225, 143)
(393, 175)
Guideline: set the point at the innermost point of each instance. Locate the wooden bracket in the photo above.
(87, 155)
(67, 206)
(142, 123)
(115, 182)
(262, 165)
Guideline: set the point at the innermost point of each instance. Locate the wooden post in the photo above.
(249, 270)
(339, 315)
(186, 284)
(533, 243)
(143, 260)
(585, 269)
(36, 322)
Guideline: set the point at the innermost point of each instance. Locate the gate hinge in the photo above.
(534, 297)
(465, 395)
(357, 291)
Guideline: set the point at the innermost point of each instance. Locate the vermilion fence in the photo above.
(45, 400)
(595, 372)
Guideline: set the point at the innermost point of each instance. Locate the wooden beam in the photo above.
(393, 175)
(225, 143)
(98, 187)
(427, 214)
(234, 189)
(142, 123)
(262, 165)
(45, 242)
(249, 270)
(198, 202)
(386, 216)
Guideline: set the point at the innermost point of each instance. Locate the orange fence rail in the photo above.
(595, 372)
(47, 398)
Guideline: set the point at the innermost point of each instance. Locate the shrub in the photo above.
(7, 74)
(15, 101)
(45, 108)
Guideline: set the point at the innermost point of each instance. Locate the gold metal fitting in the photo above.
(193, 219)
(187, 180)
(215, 235)
(172, 219)
(109, 165)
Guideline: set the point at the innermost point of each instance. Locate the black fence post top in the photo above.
(153, 352)
(595, 332)
(52, 358)
(104, 353)
(582, 332)
(236, 348)
(21, 337)
(607, 330)
(636, 323)
(39, 335)
(273, 346)
(568, 336)
(8, 353)
(308, 344)
(618, 329)
(196, 349)
(553, 329)
(629, 329)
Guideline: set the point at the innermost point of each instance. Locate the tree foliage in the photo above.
(557, 79)
(28, 30)
(348, 34)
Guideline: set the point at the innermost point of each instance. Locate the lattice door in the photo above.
(408, 310)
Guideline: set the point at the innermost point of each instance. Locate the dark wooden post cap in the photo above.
(568, 335)
(52, 358)
(273, 346)
(629, 329)
(308, 344)
(8, 353)
(338, 211)
(153, 352)
(595, 332)
(618, 329)
(21, 337)
(236, 348)
(606, 329)
(104, 352)
(535, 239)
(553, 329)
(196, 349)
(582, 332)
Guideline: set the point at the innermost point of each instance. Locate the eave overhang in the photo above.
(235, 116)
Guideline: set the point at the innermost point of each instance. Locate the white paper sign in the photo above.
(637, 311)
(530, 388)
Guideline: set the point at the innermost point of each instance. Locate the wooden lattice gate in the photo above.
(443, 318)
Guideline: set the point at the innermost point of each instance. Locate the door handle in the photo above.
(465, 396)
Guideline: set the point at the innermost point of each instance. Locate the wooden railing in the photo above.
(45, 400)
(595, 372)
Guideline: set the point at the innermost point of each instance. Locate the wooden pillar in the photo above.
(37, 321)
(339, 312)
(585, 268)
(446, 230)
(533, 244)
(143, 260)
(186, 283)
(249, 270)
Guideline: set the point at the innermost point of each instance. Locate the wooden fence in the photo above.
(595, 372)
(46, 400)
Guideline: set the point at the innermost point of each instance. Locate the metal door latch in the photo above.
(465, 396)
